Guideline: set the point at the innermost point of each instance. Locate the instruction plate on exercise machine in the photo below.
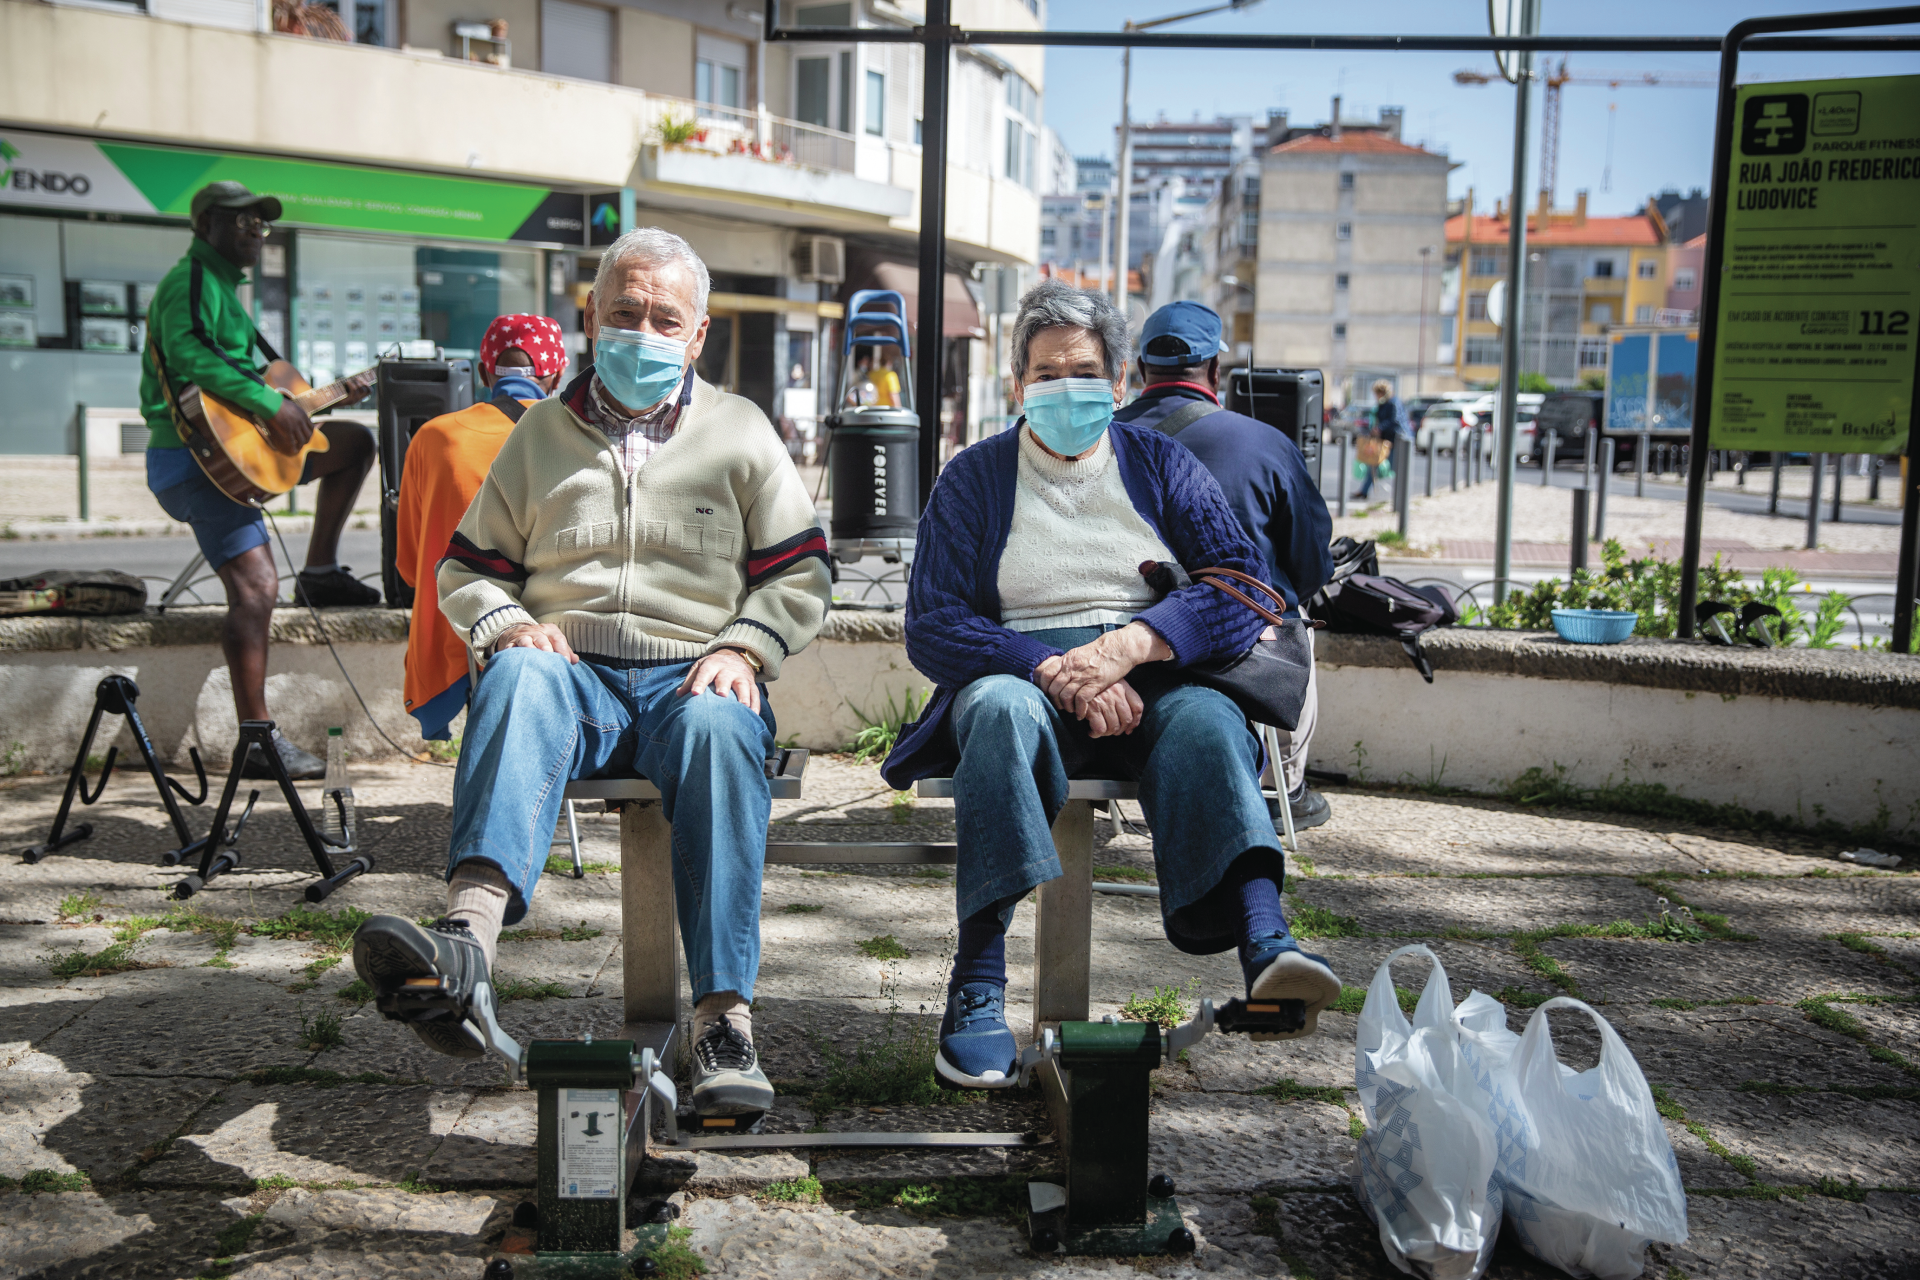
(590, 1143)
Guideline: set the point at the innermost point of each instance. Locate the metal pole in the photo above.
(80, 436)
(1873, 477)
(1813, 503)
(1906, 575)
(1507, 411)
(1641, 448)
(1403, 481)
(1123, 215)
(1459, 434)
(1578, 560)
(1346, 443)
(1773, 495)
(1546, 457)
(1839, 475)
(1608, 450)
(1432, 447)
(1420, 348)
(933, 237)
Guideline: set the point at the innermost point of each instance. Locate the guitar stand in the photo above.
(218, 854)
(116, 695)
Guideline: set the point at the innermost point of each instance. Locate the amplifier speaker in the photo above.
(409, 393)
(1289, 399)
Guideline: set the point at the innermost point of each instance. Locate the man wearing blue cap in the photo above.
(1264, 476)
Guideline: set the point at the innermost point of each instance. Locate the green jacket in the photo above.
(199, 332)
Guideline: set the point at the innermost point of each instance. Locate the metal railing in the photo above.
(723, 130)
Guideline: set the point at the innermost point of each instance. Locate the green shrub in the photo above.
(881, 731)
(884, 947)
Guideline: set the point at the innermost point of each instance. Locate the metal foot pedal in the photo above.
(692, 1124)
(1261, 1017)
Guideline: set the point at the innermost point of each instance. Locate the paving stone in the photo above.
(30, 1014)
(1892, 1026)
(1809, 908)
(1428, 907)
(867, 1164)
(1733, 855)
(1699, 1167)
(353, 1134)
(582, 968)
(113, 1236)
(96, 1124)
(1489, 965)
(1816, 1238)
(1235, 1064)
(177, 1022)
(1232, 1143)
(1621, 969)
(1799, 1139)
(1718, 1046)
(318, 1213)
(491, 1142)
(735, 1172)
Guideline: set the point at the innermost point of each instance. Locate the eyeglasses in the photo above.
(248, 221)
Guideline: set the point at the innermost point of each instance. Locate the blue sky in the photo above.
(1662, 137)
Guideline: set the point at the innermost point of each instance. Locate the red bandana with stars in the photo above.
(538, 336)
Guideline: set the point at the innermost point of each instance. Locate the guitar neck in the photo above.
(322, 398)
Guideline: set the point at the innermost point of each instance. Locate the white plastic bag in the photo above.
(1587, 1172)
(1424, 1169)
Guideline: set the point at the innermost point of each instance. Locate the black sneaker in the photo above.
(426, 978)
(727, 1079)
(1310, 808)
(302, 766)
(332, 587)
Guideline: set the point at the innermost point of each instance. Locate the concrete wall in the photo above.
(656, 54)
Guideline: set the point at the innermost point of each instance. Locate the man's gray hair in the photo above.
(653, 247)
(1055, 304)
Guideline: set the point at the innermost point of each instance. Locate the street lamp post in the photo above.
(1124, 215)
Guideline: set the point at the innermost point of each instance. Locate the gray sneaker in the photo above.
(428, 978)
(727, 1079)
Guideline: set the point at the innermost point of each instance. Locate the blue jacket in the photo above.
(1390, 419)
(954, 636)
(1267, 484)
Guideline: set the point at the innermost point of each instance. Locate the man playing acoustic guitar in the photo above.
(199, 334)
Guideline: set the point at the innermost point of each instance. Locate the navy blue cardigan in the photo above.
(954, 635)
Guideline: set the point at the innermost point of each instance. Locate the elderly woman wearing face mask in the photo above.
(1053, 659)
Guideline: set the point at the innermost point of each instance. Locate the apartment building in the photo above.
(1349, 255)
(1583, 274)
(461, 158)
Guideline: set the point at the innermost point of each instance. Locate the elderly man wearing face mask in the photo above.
(641, 557)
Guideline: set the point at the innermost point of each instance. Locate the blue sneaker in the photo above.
(977, 1048)
(1277, 969)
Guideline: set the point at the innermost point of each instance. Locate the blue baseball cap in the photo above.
(1180, 334)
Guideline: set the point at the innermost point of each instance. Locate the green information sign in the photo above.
(1820, 279)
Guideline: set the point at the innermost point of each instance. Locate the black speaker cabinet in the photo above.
(408, 394)
(1290, 399)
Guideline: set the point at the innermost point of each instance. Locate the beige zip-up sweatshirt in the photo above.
(713, 543)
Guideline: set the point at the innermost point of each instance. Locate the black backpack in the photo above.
(1358, 600)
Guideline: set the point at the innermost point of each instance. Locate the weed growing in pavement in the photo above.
(238, 1235)
(45, 1181)
(1309, 922)
(225, 933)
(901, 806)
(357, 991)
(1864, 1092)
(1674, 1002)
(414, 1184)
(894, 1067)
(1354, 999)
(673, 1260)
(883, 947)
(880, 731)
(794, 1191)
(565, 933)
(333, 930)
(506, 989)
(1528, 949)
(321, 1032)
(133, 927)
(1287, 1089)
(941, 1197)
(1665, 1103)
(1266, 1222)
(445, 751)
(13, 761)
(560, 864)
(1125, 875)
(803, 908)
(117, 958)
(1520, 999)
(1166, 1006)
(81, 906)
(1820, 1011)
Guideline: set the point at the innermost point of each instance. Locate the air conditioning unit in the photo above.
(820, 258)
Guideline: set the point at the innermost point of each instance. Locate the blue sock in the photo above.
(1253, 881)
(981, 954)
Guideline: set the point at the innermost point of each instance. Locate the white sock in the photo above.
(478, 894)
(321, 568)
(723, 1004)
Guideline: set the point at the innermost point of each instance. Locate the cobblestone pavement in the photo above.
(223, 1104)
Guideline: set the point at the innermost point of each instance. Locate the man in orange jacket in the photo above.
(521, 360)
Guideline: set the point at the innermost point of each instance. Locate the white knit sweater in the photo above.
(1075, 545)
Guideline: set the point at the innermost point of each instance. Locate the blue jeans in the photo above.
(1197, 763)
(538, 722)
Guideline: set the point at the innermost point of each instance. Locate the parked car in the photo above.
(1481, 411)
(1439, 427)
(1573, 416)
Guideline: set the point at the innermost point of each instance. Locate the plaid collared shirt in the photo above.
(635, 439)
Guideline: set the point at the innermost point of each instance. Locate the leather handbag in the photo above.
(1269, 680)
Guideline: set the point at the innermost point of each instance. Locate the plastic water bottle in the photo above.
(336, 819)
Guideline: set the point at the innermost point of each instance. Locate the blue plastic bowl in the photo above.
(1594, 626)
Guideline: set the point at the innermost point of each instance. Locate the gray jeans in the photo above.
(1293, 746)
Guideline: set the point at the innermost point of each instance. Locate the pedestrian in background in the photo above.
(1376, 450)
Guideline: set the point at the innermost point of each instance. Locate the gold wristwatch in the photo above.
(753, 659)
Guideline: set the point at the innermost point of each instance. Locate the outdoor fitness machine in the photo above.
(218, 854)
(116, 695)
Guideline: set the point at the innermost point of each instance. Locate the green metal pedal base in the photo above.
(579, 1266)
(1161, 1233)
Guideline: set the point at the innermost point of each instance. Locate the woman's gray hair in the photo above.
(1055, 304)
(653, 247)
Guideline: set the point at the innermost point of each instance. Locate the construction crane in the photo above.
(1555, 79)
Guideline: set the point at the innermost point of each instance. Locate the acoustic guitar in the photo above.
(231, 444)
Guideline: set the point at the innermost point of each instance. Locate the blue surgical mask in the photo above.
(507, 382)
(639, 369)
(1068, 414)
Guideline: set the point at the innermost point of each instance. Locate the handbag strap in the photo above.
(1185, 416)
(1216, 578)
